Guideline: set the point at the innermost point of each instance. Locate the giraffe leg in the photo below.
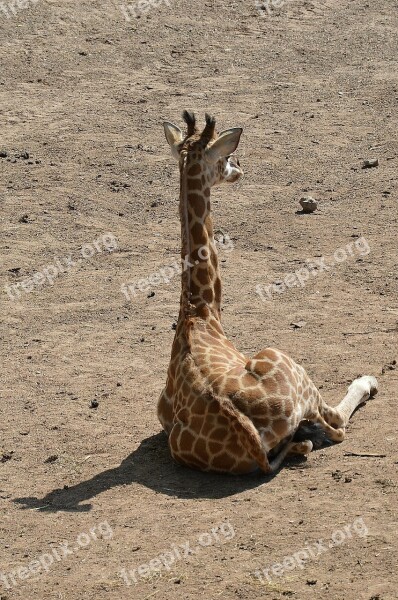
(358, 392)
(334, 420)
(289, 448)
(302, 446)
(283, 449)
(336, 434)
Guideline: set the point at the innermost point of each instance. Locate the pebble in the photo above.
(299, 324)
(51, 458)
(389, 367)
(308, 204)
(368, 164)
(6, 456)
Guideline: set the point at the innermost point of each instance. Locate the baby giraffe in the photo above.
(223, 411)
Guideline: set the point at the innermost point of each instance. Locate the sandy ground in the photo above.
(87, 486)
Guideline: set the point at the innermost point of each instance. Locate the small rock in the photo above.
(174, 326)
(151, 295)
(6, 456)
(299, 324)
(24, 155)
(51, 458)
(308, 204)
(23, 219)
(312, 581)
(368, 164)
(94, 404)
(3, 154)
(389, 366)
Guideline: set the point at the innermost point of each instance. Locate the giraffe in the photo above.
(223, 411)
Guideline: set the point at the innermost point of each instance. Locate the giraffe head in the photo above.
(212, 153)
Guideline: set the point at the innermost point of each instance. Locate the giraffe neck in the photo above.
(201, 283)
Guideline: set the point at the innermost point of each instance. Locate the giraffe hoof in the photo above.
(374, 386)
(304, 447)
(313, 432)
(368, 383)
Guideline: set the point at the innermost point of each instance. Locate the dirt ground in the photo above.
(92, 505)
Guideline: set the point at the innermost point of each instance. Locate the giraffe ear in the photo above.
(225, 144)
(174, 136)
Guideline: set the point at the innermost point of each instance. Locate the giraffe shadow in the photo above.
(149, 465)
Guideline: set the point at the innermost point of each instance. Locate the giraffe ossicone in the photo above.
(221, 410)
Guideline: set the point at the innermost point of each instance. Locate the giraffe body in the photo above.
(221, 410)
